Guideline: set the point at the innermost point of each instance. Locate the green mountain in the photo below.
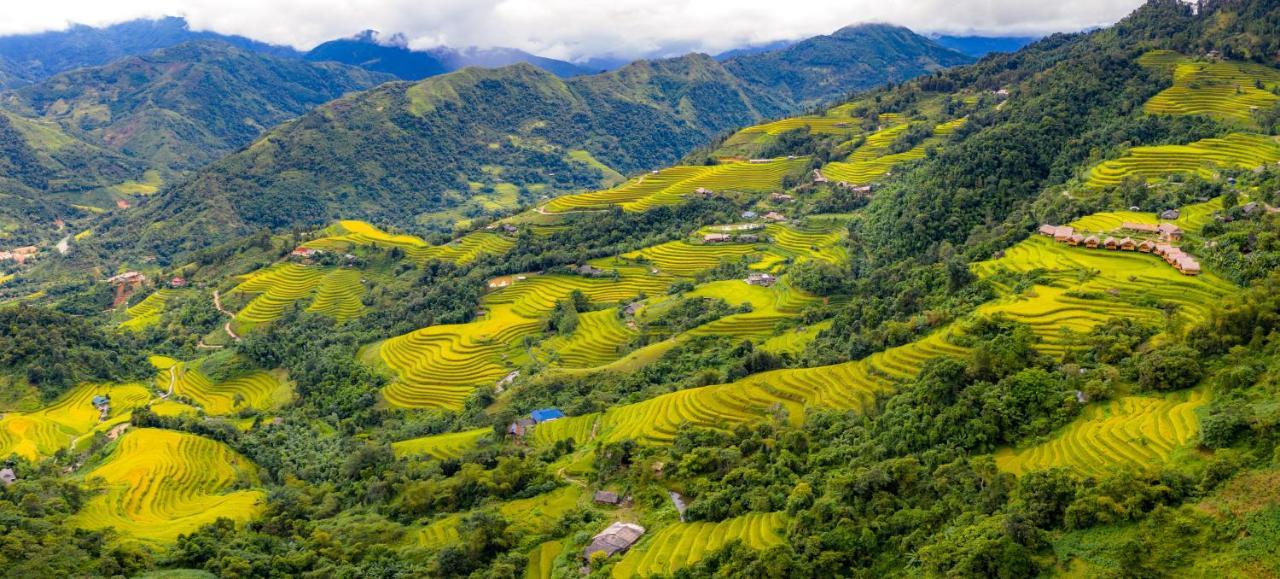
(179, 108)
(44, 171)
(467, 143)
(851, 59)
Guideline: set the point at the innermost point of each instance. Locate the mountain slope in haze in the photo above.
(181, 107)
(980, 46)
(44, 170)
(370, 51)
(28, 58)
(850, 59)
(403, 151)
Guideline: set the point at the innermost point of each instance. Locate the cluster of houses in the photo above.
(103, 405)
(1165, 232)
(19, 254)
(727, 237)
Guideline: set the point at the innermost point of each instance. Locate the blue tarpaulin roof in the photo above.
(100, 400)
(545, 414)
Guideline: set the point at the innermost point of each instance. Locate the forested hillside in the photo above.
(179, 108)
(1013, 319)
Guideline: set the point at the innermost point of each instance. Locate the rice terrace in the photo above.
(866, 302)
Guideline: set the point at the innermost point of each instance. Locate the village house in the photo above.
(631, 309)
(8, 477)
(1161, 249)
(606, 498)
(1062, 232)
(20, 254)
(303, 252)
(1169, 231)
(1170, 214)
(761, 279)
(177, 282)
(1091, 242)
(758, 161)
(589, 270)
(716, 237)
(1047, 230)
(520, 427)
(781, 197)
(1110, 243)
(615, 539)
(748, 238)
(1188, 265)
(1146, 246)
(818, 177)
(127, 278)
(1250, 208)
(509, 228)
(775, 217)
(103, 406)
(1140, 227)
(1127, 244)
(1075, 239)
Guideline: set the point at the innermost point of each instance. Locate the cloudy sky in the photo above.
(574, 29)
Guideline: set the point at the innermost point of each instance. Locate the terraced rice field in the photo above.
(147, 312)
(42, 433)
(682, 544)
(820, 241)
(1082, 288)
(600, 338)
(577, 428)
(259, 389)
(670, 186)
(1137, 432)
(872, 161)
(439, 366)
(161, 483)
(542, 558)
(1221, 89)
(688, 259)
(334, 291)
(441, 446)
(1204, 158)
(532, 515)
(345, 235)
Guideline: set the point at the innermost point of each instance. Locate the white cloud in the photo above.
(575, 29)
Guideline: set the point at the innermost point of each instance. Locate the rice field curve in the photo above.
(531, 515)
(670, 186)
(1224, 90)
(44, 432)
(542, 558)
(1138, 432)
(599, 339)
(348, 234)
(258, 389)
(872, 160)
(439, 366)
(1205, 158)
(147, 312)
(679, 545)
(333, 291)
(440, 446)
(159, 484)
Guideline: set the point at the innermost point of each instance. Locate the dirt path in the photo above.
(173, 378)
(217, 303)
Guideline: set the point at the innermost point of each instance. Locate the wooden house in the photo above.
(1188, 265)
(1110, 243)
(1146, 246)
(1128, 244)
(1092, 242)
(606, 498)
(1139, 227)
(1062, 232)
(1161, 249)
(716, 237)
(1170, 214)
(1075, 239)
(617, 538)
(1169, 232)
(1047, 230)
